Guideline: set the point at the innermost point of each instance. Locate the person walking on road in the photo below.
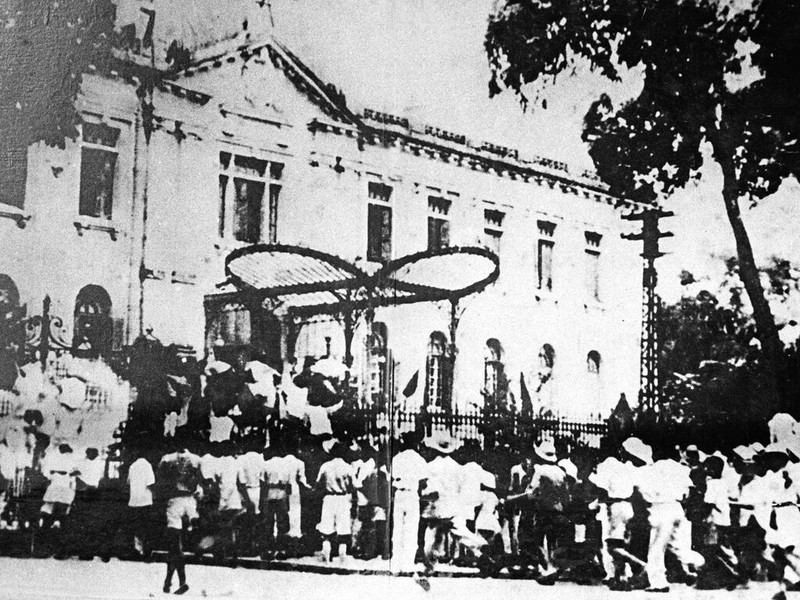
(180, 473)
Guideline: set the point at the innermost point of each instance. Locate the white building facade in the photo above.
(128, 228)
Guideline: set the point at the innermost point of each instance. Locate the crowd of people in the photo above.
(244, 461)
(633, 517)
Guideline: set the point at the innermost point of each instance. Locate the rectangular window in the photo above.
(438, 233)
(379, 222)
(545, 264)
(592, 275)
(244, 182)
(545, 255)
(438, 222)
(379, 233)
(98, 170)
(493, 229)
(247, 210)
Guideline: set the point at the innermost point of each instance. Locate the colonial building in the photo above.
(240, 142)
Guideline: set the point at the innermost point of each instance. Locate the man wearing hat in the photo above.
(543, 527)
(615, 480)
(663, 485)
(443, 514)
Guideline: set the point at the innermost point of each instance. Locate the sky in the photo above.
(425, 59)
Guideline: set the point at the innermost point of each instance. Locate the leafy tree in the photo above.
(710, 359)
(713, 72)
(46, 46)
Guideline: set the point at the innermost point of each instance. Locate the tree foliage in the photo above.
(711, 361)
(716, 72)
(46, 46)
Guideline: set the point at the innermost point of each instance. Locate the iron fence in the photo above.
(488, 428)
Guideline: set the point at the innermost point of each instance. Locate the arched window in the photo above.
(593, 362)
(547, 357)
(377, 364)
(12, 330)
(435, 371)
(93, 328)
(9, 294)
(493, 372)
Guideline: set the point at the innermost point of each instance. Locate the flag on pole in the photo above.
(411, 386)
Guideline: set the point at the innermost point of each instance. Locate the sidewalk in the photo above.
(314, 564)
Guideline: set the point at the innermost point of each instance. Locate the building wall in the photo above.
(174, 181)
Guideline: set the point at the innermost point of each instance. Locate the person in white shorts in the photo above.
(335, 479)
(180, 474)
(296, 469)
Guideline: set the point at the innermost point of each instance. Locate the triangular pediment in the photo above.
(264, 80)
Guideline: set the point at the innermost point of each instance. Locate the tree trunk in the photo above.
(766, 330)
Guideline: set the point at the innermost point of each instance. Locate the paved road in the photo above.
(47, 579)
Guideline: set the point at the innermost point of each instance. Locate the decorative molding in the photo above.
(88, 224)
(157, 274)
(20, 217)
(184, 277)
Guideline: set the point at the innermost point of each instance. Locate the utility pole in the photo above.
(649, 388)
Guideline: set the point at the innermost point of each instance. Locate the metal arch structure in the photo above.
(395, 278)
(305, 282)
(308, 281)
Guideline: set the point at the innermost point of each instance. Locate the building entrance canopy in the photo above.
(307, 281)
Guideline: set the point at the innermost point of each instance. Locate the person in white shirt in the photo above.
(141, 480)
(230, 501)
(471, 496)
(277, 484)
(408, 470)
(335, 480)
(445, 518)
(717, 497)
(59, 466)
(615, 480)
(251, 472)
(296, 471)
(669, 528)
